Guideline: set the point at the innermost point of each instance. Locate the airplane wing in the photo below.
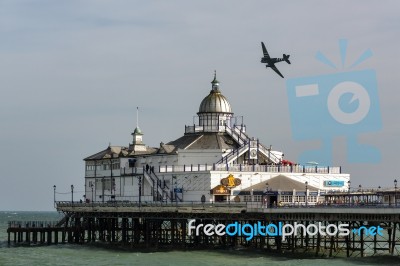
(276, 70)
(265, 52)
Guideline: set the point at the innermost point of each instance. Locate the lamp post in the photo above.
(306, 193)
(91, 187)
(102, 189)
(379, 198)
(395, 192)
(266, 200)
(176, 192)
(360, 189)
(348, 186)
(54, 195)
(72, 194)
(140, 190)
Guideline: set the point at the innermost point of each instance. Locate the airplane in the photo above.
(270, 62)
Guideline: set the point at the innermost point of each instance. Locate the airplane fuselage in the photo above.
(269, 61)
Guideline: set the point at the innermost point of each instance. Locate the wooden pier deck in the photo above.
(160, 226)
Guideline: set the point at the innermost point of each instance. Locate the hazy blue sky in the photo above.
(73, 72)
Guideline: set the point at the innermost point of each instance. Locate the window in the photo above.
(300, 199)
(90, 167)
(386, 198)
(132, 163)
(103, 184)
(286, 199)
(312, 198)
(255, 198)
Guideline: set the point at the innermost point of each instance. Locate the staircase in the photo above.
(237, 135)
(159, 189)
(243, 140)
(270, 155)
(64, 220)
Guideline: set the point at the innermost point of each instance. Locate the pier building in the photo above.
(215, 160)
(216, 174)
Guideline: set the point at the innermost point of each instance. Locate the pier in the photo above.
(160, 226)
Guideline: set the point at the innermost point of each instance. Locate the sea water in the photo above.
(69, 254)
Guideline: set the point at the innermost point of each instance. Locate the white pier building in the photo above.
(215, 160)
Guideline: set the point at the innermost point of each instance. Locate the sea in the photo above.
(70, 254)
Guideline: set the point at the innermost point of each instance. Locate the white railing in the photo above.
(186, 168)
(251, 168)
(269, 154)
(131, 170)
(234, 155)
(236, 168)
(205, 128)
(237, 135)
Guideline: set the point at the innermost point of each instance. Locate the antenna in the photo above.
(137, 117)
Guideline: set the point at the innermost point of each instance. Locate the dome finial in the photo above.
(215, 82)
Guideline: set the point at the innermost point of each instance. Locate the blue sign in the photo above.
(333, 183)
(178, 190)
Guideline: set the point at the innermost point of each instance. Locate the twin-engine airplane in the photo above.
(270, 62)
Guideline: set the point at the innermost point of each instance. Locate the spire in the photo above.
(137, 116)
(137, 129)
(137, 143)
(215, 82)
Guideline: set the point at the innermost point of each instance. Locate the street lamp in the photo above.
(266, 199)
(395, 190)
(54, 196)
(102, 189)
(72, 194)
(91, 187)
(176, 193)
(306, 193)
(348, 186)
(140, 190)
(378, 198)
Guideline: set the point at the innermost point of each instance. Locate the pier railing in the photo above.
(237, 168)
(32, 224)
(251, 168)
(248, 206)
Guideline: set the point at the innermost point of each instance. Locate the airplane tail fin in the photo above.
(286, 58)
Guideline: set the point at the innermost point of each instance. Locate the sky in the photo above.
(73, 72)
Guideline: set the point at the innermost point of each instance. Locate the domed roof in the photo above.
(215, 102)
(137, 131)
